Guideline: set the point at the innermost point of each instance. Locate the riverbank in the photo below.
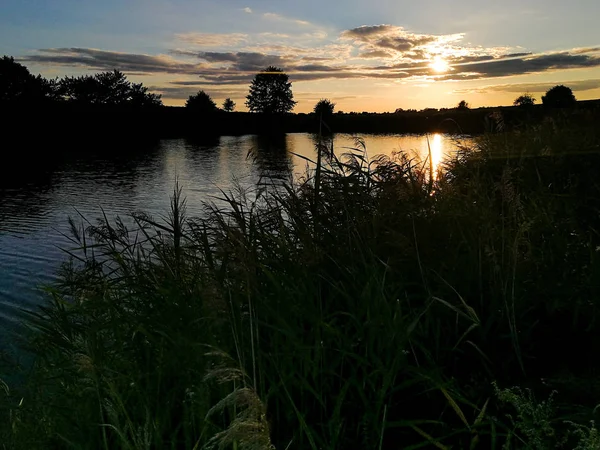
(366, 307)
(31, 128)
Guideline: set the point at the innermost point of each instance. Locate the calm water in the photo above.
(33, 214)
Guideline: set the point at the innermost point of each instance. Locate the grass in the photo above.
(364, 306)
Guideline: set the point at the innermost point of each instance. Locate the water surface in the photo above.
(34, 211)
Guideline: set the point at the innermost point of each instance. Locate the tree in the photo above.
(462, 105)
(19, 86)
(228, 105)
(271, 92)
(559, 97)
(324, 108)
(201, 102)
(107, 89)
(524, 101)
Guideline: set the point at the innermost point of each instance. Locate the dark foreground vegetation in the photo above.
(367, 306)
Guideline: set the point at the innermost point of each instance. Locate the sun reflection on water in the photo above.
(436, 150)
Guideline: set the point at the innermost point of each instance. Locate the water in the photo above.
(34, 213)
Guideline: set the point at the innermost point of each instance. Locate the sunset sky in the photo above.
(375, 55)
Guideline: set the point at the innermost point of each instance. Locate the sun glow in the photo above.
(439, 65)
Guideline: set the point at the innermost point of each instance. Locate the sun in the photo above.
(439, 65)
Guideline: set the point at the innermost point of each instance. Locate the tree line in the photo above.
(270, 92)
(557, 97)
(18, 87)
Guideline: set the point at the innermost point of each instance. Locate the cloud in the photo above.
(107, 60)
(229, 61)
(583, 50)
(218, 57)
(375, 54)
(213, 39)
(518, 88)
(503, 67)
(365, 32)
(183, 92)
(388, 37)
(317, 58)
(245, 61)
(230, 68)
(280, 18)
(247, 10)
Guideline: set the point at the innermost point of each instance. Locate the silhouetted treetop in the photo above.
(228, 105)
(107, 89)
(324, 108)
(19, 86)
(559, 97)
(201, 102)
(524, 100)
(462, 105)
(271, 92)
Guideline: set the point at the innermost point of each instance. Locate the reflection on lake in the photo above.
(33, 213)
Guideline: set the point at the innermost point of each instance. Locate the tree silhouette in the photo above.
(228, 105)
(201, 102)
(107, 89)
(271, 92)
(324, 108)
(559, 97)
(524, 101)
(462, 105)
(18, 86)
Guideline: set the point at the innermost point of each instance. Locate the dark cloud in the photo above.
(531, 64)
(518, 88)
(517, 55)
(244, 61)
(106, 60)
(366, 32)
(316, 68)
(402, 43)
(470, 59)
(317, 58)
(218, 57)
(232, 78)
(258, 61)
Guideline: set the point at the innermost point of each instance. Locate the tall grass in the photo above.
(364, 306)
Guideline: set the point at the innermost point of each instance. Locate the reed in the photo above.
(363, 306)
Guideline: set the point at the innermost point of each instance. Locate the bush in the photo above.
(559, 97)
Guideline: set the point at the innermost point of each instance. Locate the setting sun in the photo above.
(439, 65)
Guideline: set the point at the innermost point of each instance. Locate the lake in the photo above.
(34, 212)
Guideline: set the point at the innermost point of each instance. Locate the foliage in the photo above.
(462, 105)
(201, 102)
(19, 86)
(365, 305)
(106, 89)
(525, 101)
(559, 97)
(533, 420)
(536, 426)
(271, 92)
(324, 108)
(228, 105)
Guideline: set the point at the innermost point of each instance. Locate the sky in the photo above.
(376, 55)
